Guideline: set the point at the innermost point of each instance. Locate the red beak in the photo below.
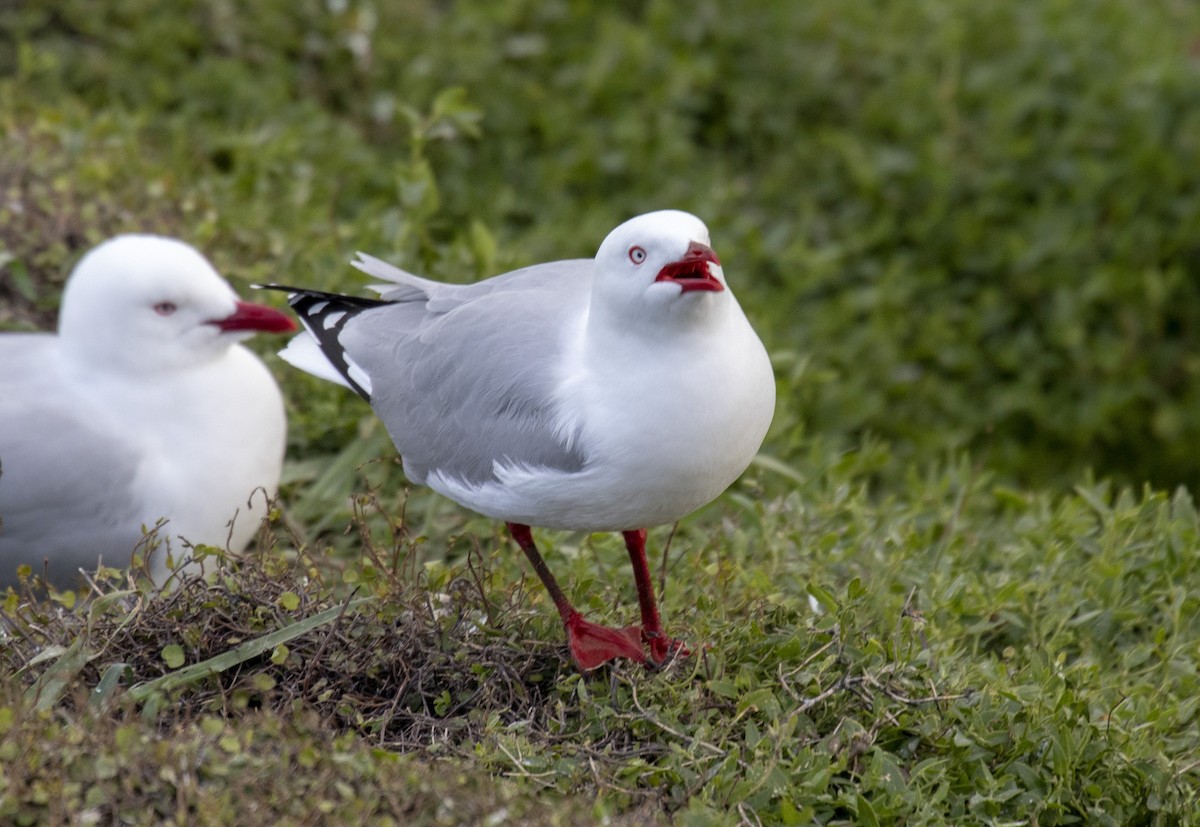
(692, 272)
(256, 317)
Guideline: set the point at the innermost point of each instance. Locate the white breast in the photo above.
(208, 438)
(666, 429)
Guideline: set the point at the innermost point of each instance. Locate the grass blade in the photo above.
(51, 684)
(241, 653)
(109, 682)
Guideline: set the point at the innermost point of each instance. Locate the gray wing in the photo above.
(65, 492)
(465, 376)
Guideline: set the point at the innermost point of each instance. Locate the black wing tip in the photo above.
(283, 288)
(303, 298)
(325, 315)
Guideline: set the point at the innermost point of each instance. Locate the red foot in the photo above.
(663, 648)
(593, 644)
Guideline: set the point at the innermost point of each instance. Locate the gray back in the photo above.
(466, 376)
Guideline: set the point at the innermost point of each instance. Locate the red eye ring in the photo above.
(636, 254)
(165, 308)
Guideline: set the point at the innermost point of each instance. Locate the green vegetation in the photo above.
(961, 586)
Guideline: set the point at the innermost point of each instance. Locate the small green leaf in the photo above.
(127, 737)
(173, 655)
(823, 596)
(289, 601)
(855, 589)
(442, 702)
(723, 688)
(866, 813)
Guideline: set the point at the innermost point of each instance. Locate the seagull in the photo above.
(604, 394)
(142, 407)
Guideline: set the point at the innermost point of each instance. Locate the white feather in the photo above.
(303, 352)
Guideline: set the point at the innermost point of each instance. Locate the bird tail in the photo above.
(402, 286)
(318, 350)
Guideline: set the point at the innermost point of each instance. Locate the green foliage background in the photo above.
(957, 225)
(962, 229)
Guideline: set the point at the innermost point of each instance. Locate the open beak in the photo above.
(257, 317)
(692, 272)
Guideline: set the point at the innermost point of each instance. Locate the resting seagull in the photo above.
(593, 395)
(142, 407)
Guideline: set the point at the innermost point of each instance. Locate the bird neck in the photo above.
(659, 322)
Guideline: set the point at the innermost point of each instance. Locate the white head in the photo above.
(144, 302)
(659, 265)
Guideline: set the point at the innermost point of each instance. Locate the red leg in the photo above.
(591, 644)
(661, 646)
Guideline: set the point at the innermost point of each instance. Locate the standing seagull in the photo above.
(142, 407)
(594, 395)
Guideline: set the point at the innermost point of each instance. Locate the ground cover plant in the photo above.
(959, 585)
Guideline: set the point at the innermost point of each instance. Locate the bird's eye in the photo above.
(165, 308)
(637, 255)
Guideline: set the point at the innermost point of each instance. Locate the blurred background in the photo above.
(960, 228)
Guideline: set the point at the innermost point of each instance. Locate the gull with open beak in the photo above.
(604, 394)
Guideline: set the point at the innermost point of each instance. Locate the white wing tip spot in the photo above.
(359, 376)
